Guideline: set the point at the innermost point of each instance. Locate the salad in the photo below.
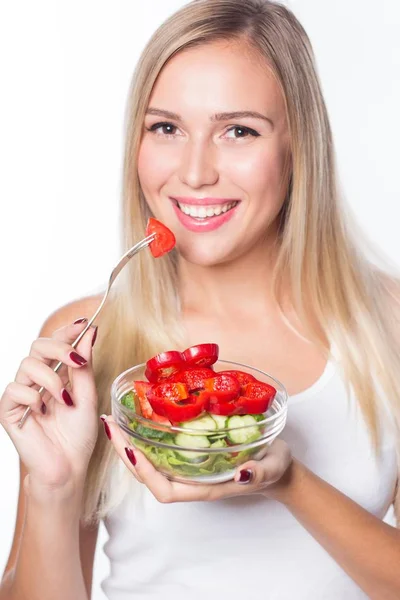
(219, 409)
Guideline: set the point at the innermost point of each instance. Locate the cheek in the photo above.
(153, 166)
(259, 172)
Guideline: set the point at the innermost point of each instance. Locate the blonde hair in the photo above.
(343, 299)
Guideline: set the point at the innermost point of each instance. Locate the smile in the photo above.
(205, 212)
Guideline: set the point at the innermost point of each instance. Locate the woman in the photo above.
(226, 113)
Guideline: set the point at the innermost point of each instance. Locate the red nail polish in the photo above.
(81, 320)
(130, 454)
(245, 476)
(66, 397)
(106, 428)
(94, 335)
(77, 359)
(43, 408)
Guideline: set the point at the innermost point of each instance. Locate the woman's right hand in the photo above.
(55, 447)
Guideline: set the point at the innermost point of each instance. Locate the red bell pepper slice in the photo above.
(164, 240)
(160, 419)
(225, 409)
(141, 388)
(163, 365)
(222, 388)
(194, 377)
(241, 376)
(159, 395)
(256, 399)
(202, 355)
(184, 410)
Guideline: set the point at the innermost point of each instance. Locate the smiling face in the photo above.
(213, 154)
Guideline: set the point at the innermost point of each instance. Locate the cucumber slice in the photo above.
(219, 444)
(192, 458)
(192, 441)
(220, 420)
(129, 400)
(245, 435)
(202, 423)
(216, 436)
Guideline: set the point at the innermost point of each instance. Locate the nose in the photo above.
(198, 166)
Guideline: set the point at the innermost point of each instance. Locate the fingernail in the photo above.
(43, 408)
(130, 454)
(81, 320)
(245, 476)
(66, 397)
(94, 335)
(106, 427)
(78, 360)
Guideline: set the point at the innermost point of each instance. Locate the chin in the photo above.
(202, 256)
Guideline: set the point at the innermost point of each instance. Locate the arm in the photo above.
(41, 524)
(364, 546)
(45, 568)
(87, 543)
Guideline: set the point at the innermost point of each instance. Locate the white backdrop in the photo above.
(65, 70)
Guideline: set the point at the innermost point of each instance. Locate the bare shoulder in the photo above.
(68, 313)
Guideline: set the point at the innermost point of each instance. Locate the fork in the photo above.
(114, 273)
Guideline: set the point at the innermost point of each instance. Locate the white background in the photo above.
(65, 70)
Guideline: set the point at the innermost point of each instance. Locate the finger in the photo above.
(132, 457)
(50, 349)
(66, 334)
(268, 470)
(82, 380)
(34, 372)
(15, 395)
(160, 486)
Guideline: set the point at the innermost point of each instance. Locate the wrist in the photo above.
(39, 494)
(288, 485)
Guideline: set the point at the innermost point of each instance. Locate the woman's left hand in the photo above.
(268, 476)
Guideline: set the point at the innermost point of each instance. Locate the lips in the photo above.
(206, 224)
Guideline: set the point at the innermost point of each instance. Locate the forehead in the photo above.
(219, 76)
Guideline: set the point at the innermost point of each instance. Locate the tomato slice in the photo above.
(141, 388)
(241, 376)
(222, 388)
(163, 365)
(164, 240)
(202, 355)
(257, 398)
(194, 377)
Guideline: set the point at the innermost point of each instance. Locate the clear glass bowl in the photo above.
(213, 465)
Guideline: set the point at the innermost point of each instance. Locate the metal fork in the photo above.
(114, 273)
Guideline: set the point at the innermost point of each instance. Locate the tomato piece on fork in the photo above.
(164, 240)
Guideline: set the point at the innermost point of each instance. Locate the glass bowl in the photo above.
(192, 463)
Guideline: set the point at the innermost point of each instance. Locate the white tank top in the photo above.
(252, 547)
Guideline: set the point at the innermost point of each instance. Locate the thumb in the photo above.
(266, 470)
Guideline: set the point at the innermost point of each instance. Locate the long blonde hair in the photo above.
(343, 299)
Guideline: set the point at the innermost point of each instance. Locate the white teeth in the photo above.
(203, 212)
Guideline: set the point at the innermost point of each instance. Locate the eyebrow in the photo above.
(223, 116)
